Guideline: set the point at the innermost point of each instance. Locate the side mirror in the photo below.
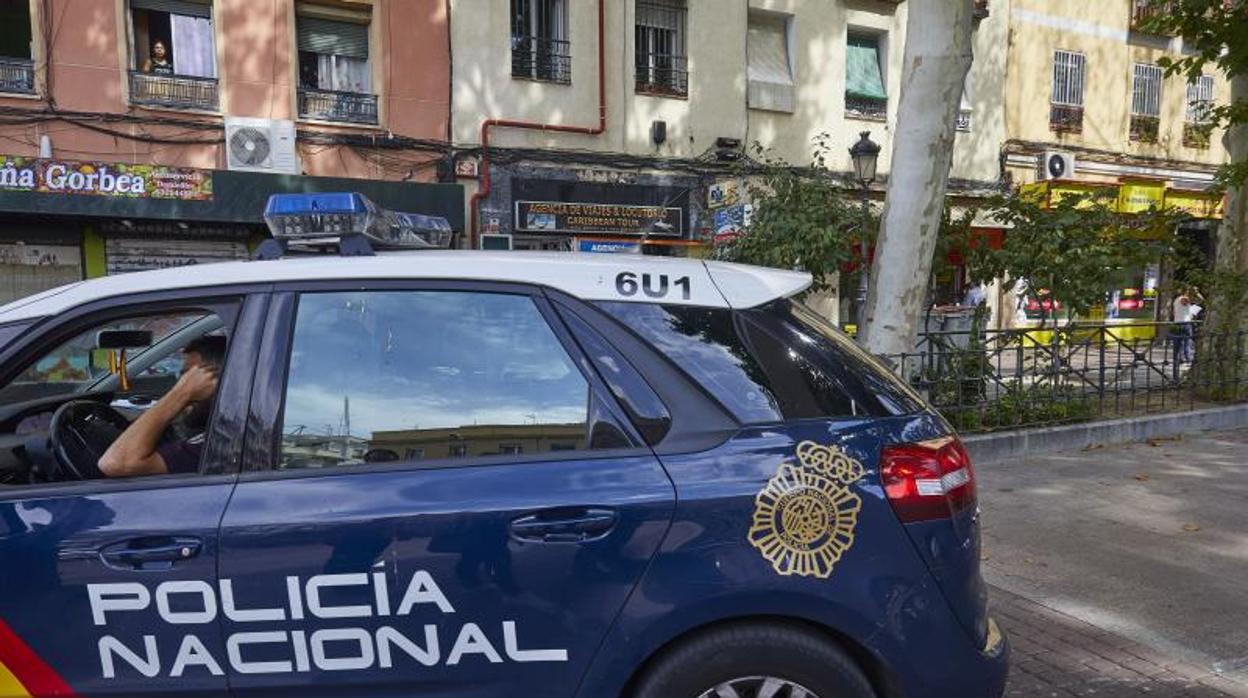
(117, 342)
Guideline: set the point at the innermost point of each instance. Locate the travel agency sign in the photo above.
(52, 176)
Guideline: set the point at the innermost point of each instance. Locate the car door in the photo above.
(109, 586)
(443, 501)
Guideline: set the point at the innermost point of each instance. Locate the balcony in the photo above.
(173, 91)
(869, 108)
(17, 75)
(1196, 135)
(1065, 118)
(1143, 12)
(659, 74)
(536, 58)
(1144, 129)
(346, 107)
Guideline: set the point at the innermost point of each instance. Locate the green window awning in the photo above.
(862, 68)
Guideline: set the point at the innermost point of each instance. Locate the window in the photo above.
(540, 49)
(1146, 103)
(660, 47)
(865, 97)
(1196, 124)
(173, 55)
(387, 372)
(1066, 102)
(17, 66)
(335, 73)
(769, 68)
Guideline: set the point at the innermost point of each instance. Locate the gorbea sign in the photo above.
(50, 176)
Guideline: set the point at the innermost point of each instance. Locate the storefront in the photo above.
(63, 220)
(592, 210)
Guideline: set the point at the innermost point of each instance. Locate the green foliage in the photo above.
(1075, 245)
(1031, 406)
(803, 219)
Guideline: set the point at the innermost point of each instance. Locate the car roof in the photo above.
(587, 276)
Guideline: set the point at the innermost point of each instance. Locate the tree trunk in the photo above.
(1223, 368)
(1233, 233)
(937, 56)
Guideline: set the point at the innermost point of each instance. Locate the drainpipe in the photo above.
(484, 189)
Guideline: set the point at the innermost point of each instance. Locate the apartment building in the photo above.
(630, 114)
(146, 133)
(1088, 106)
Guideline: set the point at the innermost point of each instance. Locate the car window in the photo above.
(76, 363)
(705, 344)
(428, 375)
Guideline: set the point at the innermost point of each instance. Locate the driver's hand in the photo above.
(198, 384)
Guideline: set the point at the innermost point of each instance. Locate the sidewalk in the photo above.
(1121, 571)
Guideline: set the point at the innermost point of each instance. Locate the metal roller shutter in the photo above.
(328, 37)
(177, 7)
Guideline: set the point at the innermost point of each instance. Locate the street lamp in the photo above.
(866, 155)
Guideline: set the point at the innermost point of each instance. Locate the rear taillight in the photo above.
(928, 480)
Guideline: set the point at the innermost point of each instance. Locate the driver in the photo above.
(138, 450)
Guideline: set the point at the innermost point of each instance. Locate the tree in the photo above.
(937, 57)
(802, 219)
(1213, 33)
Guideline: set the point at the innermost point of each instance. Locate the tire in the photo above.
(746, 654)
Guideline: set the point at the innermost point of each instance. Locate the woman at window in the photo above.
(158, 62)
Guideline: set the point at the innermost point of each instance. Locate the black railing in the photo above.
(17, 75)
(328, 105)
(985, 381)
(1065, 118)
(537, 58)
(1145, 129)
(173, 91)
(874, 108)
(662, 74)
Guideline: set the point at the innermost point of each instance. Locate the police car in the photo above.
(446, 473)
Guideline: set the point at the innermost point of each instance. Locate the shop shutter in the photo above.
(142, 254)
(177, 7)
(767, 59)
(863, 77)
(327, 37)
(27, 269)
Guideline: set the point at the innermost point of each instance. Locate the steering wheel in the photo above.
(80, 433)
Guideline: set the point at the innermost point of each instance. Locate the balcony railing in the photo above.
(1196, 135)
(347, 107)
(662, 74)
(17, 75)
(173, 91)
(873, 108)
(1064, 118)
(537, 58)
(1144, 129)
(1143, 12)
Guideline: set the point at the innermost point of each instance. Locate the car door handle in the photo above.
(153, 553)
(565, 525)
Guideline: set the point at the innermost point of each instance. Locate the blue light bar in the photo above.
(323, 219)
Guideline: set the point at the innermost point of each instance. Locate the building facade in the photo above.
(633, 112)
(1087, 106)
(145, 133)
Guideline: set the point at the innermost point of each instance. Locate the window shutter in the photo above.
(767, 58)
(189, 8)
(863, 77)
(332, 38)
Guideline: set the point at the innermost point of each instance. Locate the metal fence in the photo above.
(541, 59)
(329, 105)
(17, 75)
(986, 381)
(174, 91)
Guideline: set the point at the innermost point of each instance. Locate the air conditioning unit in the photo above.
(261, 145)
(1057, 164)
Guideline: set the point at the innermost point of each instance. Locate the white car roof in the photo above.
(586, 276)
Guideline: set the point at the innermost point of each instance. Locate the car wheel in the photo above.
(755, 661)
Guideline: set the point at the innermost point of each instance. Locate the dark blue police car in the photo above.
(478, 474)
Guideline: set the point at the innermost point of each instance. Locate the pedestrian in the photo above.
(158, 63)
(1182, 313)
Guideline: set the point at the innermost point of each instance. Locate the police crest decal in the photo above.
(804, 519)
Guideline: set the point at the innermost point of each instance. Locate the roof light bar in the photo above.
(320, 220)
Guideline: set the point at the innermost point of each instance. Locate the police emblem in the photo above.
(804, 518)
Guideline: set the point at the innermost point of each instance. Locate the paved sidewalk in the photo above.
(1125, 569)
(1059, 655)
